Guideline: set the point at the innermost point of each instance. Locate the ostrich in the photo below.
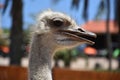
(54, 31)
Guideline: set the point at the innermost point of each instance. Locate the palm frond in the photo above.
(75, 4)
(5, 6)
(55, 1)
(101, 10)
(85, 10)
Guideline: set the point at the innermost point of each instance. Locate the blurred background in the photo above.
(17, 19)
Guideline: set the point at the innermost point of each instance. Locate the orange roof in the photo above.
(100, 26)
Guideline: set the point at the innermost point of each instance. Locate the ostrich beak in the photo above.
(80, 34)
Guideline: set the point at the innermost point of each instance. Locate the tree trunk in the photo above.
(16, 35)
(108, 36)
(117, 21)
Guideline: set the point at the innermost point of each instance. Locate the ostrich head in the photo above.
(54, 31)
(61, 31)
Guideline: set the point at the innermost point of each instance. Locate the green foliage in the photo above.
(4, 38)
(3, 42)
(67, 55)
(26, 38)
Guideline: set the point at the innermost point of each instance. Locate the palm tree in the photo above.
(117, 20)
(108, 35)
(16, 34)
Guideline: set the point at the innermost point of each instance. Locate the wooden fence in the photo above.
(20, 73)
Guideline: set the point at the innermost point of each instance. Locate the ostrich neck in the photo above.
(40, 60)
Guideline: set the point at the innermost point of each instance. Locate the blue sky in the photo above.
(34, 7)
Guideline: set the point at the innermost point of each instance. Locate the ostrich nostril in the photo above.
(81, 30)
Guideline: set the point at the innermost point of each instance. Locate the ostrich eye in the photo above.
(58, 22)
